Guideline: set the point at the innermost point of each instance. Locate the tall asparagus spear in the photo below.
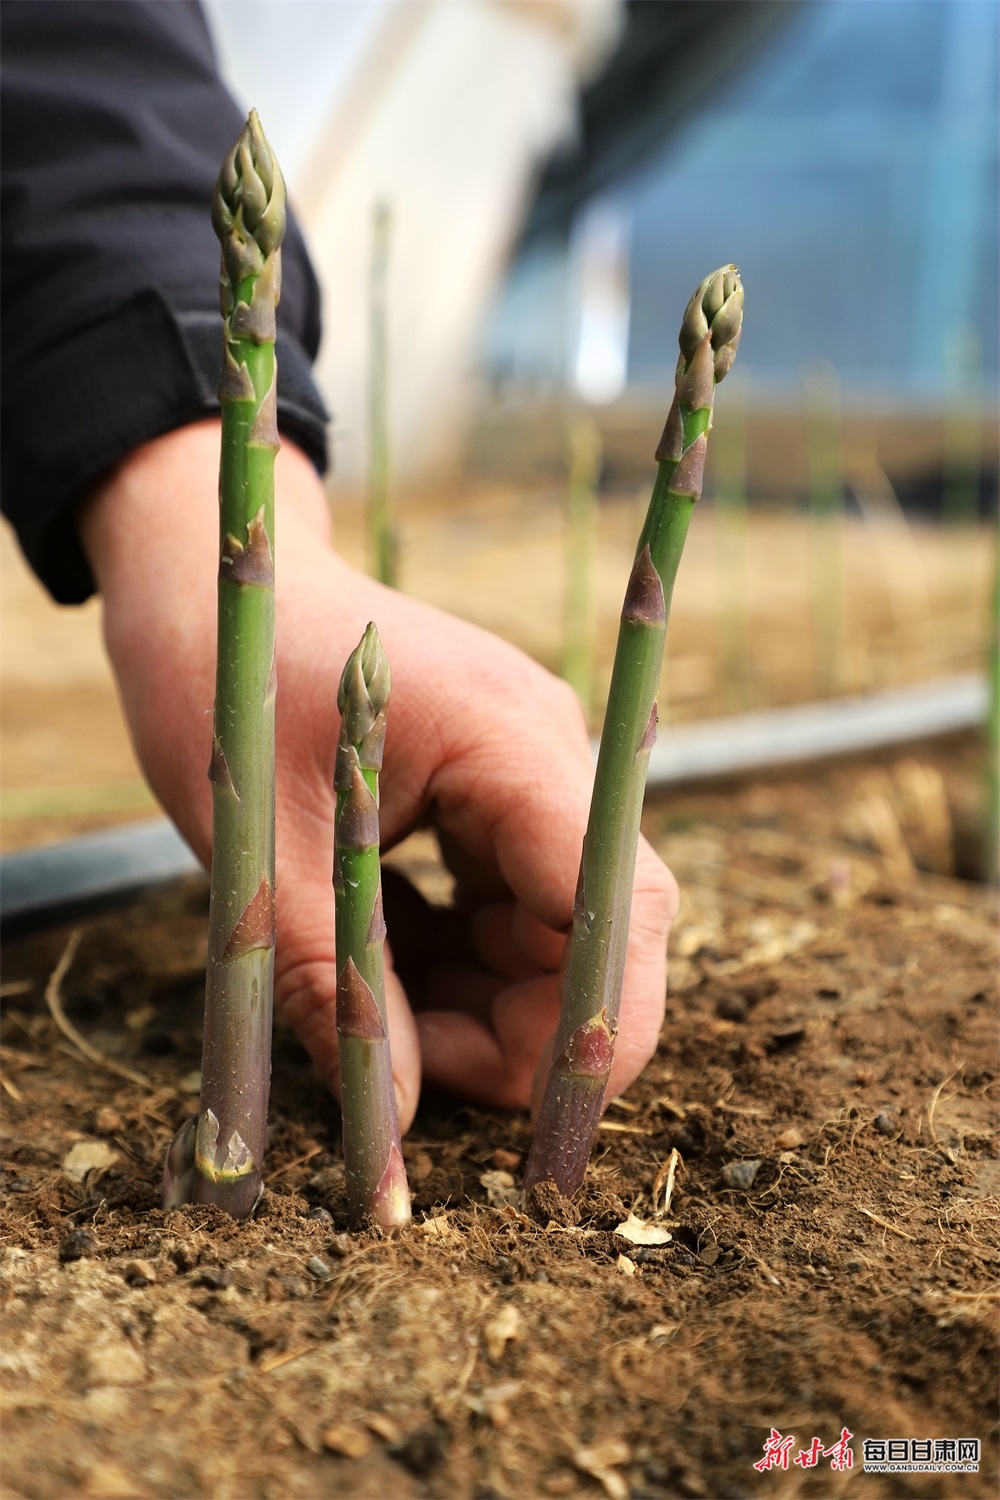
(376, 1176)
(594, 966)
(218, 1159)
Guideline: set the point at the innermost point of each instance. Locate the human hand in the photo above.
(482, 742)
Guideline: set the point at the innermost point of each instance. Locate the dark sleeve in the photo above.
(114, 126)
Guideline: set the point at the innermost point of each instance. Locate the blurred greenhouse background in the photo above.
(561, 174)
(552, 178)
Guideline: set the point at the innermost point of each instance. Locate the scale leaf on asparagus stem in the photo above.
(217, 1158)
(373, 1158)
(583, 1049)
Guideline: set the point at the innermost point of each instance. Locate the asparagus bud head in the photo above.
(716, 309)
(709, 338)
(248, 207)
(362, 699)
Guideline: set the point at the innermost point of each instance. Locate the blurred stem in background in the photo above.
(384, 541)
(992, 832)
(729, 454)
(963, 429)
(824, 476)
(584, 463)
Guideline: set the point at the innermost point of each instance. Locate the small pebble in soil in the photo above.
(216, 1278)
(318, 1268)
(885, 1124)
(139, 1273)
(505, 1161)
(78, 1244)
(788, 1139)
(347, 1439)
(731, 1008)
(740, 1174)
(323, 1215)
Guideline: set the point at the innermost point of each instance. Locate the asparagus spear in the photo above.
(384, 538)
(824, 463)
(991, 870)
(584, 478)
(376, 1176)
(219, 1160)
(730, 459)
(594, 966)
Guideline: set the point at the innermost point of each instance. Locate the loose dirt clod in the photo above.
(77, 1244)
(139, 1273)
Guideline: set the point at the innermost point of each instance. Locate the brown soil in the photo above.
(830, 1018)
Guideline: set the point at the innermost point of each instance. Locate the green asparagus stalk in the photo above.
(991, 861)
(219, 1160)
(584, 475)
(384, 541)
(373, 1159)
(963, 429)
(729, 453)
(824, 466)
(592, 975)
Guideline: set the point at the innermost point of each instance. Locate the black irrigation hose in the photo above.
(43, 887)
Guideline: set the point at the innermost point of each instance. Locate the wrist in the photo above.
(158, 510)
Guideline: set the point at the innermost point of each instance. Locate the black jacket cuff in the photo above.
(80, 407)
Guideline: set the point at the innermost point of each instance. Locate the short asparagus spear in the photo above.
(592, 975)
(376, 1176)
(218, 1159)
(824, 462)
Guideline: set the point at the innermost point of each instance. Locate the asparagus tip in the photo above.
(363, 696)
(716, 307)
